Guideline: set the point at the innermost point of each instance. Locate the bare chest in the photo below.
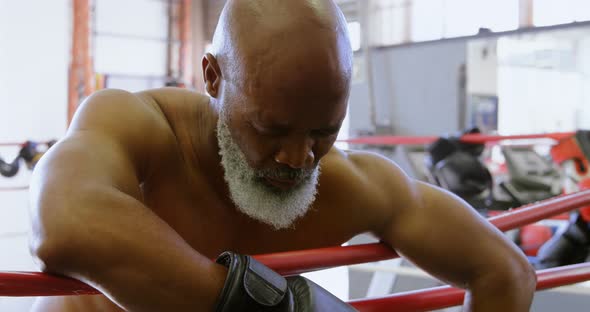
(211, 224)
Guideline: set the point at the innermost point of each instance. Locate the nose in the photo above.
(296, 153)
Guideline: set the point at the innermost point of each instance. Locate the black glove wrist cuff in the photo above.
(249, 284)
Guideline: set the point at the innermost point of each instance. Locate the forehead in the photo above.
(295, 69)
(280, 81)
(296, 112)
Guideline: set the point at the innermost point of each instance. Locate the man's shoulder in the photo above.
(133, 120)
(182, 108)
(363, 164)
(369, 185)
(176, 99)
(366, 185)
(119, 113)
(363, 172)
(159, 112)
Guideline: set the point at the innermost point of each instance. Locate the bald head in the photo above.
(280, 72)
(258, 41)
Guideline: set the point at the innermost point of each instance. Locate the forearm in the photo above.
(174, 282)
(459, 247)
(142, 278)
(502, 292)
(128, 253)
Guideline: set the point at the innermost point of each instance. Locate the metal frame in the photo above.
(81, 68)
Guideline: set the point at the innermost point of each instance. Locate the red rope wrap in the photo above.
(468, 138)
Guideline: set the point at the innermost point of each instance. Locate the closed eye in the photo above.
(272, 131)
(325, 132)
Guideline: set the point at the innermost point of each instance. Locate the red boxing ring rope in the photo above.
(391, 140)
(479, 138)
(19, 144)
(13, 188)
(10, 144)
(32, 284)
(467, 138)
(41, 284)
(302, 261)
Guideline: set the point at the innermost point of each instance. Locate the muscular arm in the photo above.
(89, 221)
(442, 234)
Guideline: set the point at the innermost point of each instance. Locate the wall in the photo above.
(358, 113)
(33, 63)
(130, 42)
(199, 42)
(583, 121)
(212, 10)
(416, 88)
(545, 78)
(34, 49)
(537, 100)
(482, 67)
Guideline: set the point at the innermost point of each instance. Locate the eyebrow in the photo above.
(278, 125)
(331, 128)
(270, 124)
(335, 128)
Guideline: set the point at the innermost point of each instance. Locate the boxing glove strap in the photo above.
(248, 277)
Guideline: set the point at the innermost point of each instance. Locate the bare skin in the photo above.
(133, 200)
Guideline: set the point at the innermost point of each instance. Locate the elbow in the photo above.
(55, 244)
(516, 275)
(522, 272)
(523, 275)
(48, 256)
(55, 232)
(51, 246)
(61, 254)
(506, 285)
(47, 243)
(530, 276)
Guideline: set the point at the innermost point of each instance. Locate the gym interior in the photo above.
(488, 99)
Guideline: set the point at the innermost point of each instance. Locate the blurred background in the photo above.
(421, 68)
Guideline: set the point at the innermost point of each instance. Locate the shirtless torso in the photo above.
(187, 191)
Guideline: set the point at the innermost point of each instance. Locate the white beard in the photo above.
(252, 196)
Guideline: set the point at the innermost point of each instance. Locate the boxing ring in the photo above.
(31, 284)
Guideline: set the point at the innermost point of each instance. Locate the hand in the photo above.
(251, 286)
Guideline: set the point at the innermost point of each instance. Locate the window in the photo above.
(427, 20)
(551, 12)
(436, 19)
(581, 10)
(466, 17)
(387, 21)
(354, 31)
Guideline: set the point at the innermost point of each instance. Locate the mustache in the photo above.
(286, 173)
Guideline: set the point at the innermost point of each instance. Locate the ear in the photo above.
(211, 74)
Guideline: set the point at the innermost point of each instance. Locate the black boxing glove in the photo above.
(252, 286)
(9, 170)
(28, 151)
